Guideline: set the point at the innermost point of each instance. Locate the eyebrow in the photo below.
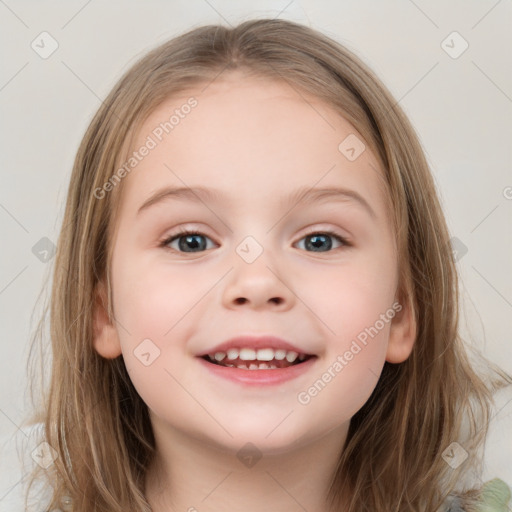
(301, 195)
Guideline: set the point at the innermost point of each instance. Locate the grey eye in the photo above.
(321, 242)
(189, 242)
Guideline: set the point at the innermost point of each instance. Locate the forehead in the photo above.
(253, 137)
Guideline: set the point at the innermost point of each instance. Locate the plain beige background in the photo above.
(456, 89)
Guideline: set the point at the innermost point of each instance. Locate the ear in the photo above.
(403, 332)
(105, 337)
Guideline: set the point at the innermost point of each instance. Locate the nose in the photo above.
(257, 285)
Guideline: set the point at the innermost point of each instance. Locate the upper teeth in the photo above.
(262, 354)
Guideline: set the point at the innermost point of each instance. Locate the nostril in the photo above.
(243, 300)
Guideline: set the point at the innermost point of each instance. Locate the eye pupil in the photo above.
(316, 241)
(197, 242)
(191, 242)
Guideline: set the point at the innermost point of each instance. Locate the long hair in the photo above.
(392, 458)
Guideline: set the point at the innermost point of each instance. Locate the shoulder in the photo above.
(497, 468)
(497, 455)
(494, 496)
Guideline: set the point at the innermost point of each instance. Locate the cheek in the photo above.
(354, 356)
(155, 308)
(350, 297)
(152, 299)
(167, 306)
(356, 307)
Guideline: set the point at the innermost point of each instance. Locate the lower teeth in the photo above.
(259, 366)
(252, 366)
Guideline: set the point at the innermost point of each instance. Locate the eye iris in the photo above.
(187, 242)
(316, 241)
(193, 242)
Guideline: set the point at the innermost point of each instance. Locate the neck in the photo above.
(198, 476)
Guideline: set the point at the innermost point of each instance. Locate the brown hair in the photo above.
(392, 458)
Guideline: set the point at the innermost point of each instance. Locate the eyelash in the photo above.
(184, 232)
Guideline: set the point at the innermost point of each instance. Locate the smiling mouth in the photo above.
(257, 364)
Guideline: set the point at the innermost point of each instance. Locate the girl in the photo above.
(254, 302)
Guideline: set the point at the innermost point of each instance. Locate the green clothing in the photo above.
(495, 497)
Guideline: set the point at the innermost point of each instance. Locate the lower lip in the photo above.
(259, 377)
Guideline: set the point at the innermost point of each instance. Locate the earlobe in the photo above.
(402, 334)
(105, 337)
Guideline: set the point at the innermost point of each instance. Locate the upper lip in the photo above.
(255, 342)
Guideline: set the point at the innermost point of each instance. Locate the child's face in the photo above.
(254, 144)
